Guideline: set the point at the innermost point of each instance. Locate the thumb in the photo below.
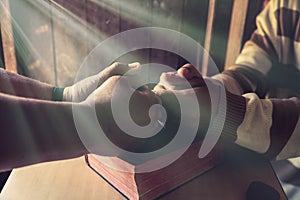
(121, 69)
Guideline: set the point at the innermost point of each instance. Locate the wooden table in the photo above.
(73, 179)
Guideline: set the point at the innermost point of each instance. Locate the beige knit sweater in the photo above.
(268, 64)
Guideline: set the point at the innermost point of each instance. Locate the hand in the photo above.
(186, 77)
(82, 89)
(182, 83)
(139, 105)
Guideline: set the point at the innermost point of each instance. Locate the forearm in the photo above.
(257, 58)
(35, 131)
(22, 86)
(240, 80)
(268, 126)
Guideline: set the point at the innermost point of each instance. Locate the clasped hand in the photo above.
(171, 84)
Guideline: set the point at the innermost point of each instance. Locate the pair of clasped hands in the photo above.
(142, 99)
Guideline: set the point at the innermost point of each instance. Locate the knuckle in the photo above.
(115, 64)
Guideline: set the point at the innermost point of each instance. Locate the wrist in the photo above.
(57, 94)
(235, 112)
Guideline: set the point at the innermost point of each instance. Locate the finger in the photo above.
(124, 69)
(185, 77)
(134, 69)
(188, 71)
(117, 69)
(134, 64)
(158, 89)
(184, 72)
(192, 75)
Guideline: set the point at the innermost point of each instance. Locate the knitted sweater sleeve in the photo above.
(275, 41)
(267, 126)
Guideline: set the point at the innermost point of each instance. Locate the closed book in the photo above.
(150, 185)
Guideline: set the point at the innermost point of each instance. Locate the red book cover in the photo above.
(150, 185)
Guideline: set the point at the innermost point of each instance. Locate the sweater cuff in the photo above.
(235, 112)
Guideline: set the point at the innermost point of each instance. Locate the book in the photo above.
(150, 185)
